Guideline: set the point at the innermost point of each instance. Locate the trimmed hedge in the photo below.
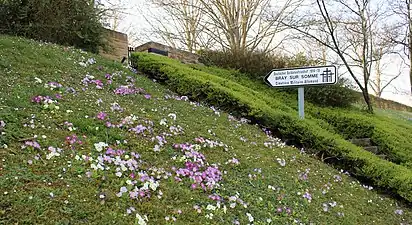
(241, 100)
(348, 125)
(392, 137)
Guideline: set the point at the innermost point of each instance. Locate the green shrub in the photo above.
(257, 64)
(348, 125)
(338, 95)
(66, 22)
(254, 64)
(245, 101)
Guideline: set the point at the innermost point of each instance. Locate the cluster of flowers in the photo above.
(33, 144)
(73, 141)
(89, 79)
(129, 89)
(197, 169)
(69, 126)
(140, 184)
(87, 62)
(175, 97)
(46, 101)
(210, 143)
(53, 85)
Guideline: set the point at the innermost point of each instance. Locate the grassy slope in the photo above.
(312, 133)
(28, 178)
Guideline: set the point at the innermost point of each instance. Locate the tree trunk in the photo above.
(408, 7)
(367, 99)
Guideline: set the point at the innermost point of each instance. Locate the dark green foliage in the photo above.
(257, 64)
(67, 22)
(254, 64)
(348, 125)
(246, 101)
(338, 95)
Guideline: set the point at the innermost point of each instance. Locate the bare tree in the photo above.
(114, 13)
(241, 26)
(402, 8)
(235, 25)
(179, 24)
(381, 80)
(352, 31)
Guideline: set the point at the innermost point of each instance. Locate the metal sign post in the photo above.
(301, 102)
(300, 77)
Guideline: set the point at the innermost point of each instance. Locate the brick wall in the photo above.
(118, 45)
(183, 56)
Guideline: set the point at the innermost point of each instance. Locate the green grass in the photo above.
(312, 133)
(65, 189)
(406, 117)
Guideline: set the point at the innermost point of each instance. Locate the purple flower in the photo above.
(307, 196)
(33, 144)
(54, 85)
(138, 129)
(116, 107)
(123, 189)
(279, 210)
(101, 115)
(99, 84)
(215, 197)
(125, 90)
(37, 99)
(304, 176)
(147, 96)
(399, 212)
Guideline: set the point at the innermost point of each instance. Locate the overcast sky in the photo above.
(134, 24)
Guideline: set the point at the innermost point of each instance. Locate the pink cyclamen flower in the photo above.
(33, 144)
(101, 115)
(37, 99)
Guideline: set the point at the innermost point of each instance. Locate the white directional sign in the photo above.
(316, 75)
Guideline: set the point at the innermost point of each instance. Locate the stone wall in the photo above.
(183, 56)
(118, 45)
